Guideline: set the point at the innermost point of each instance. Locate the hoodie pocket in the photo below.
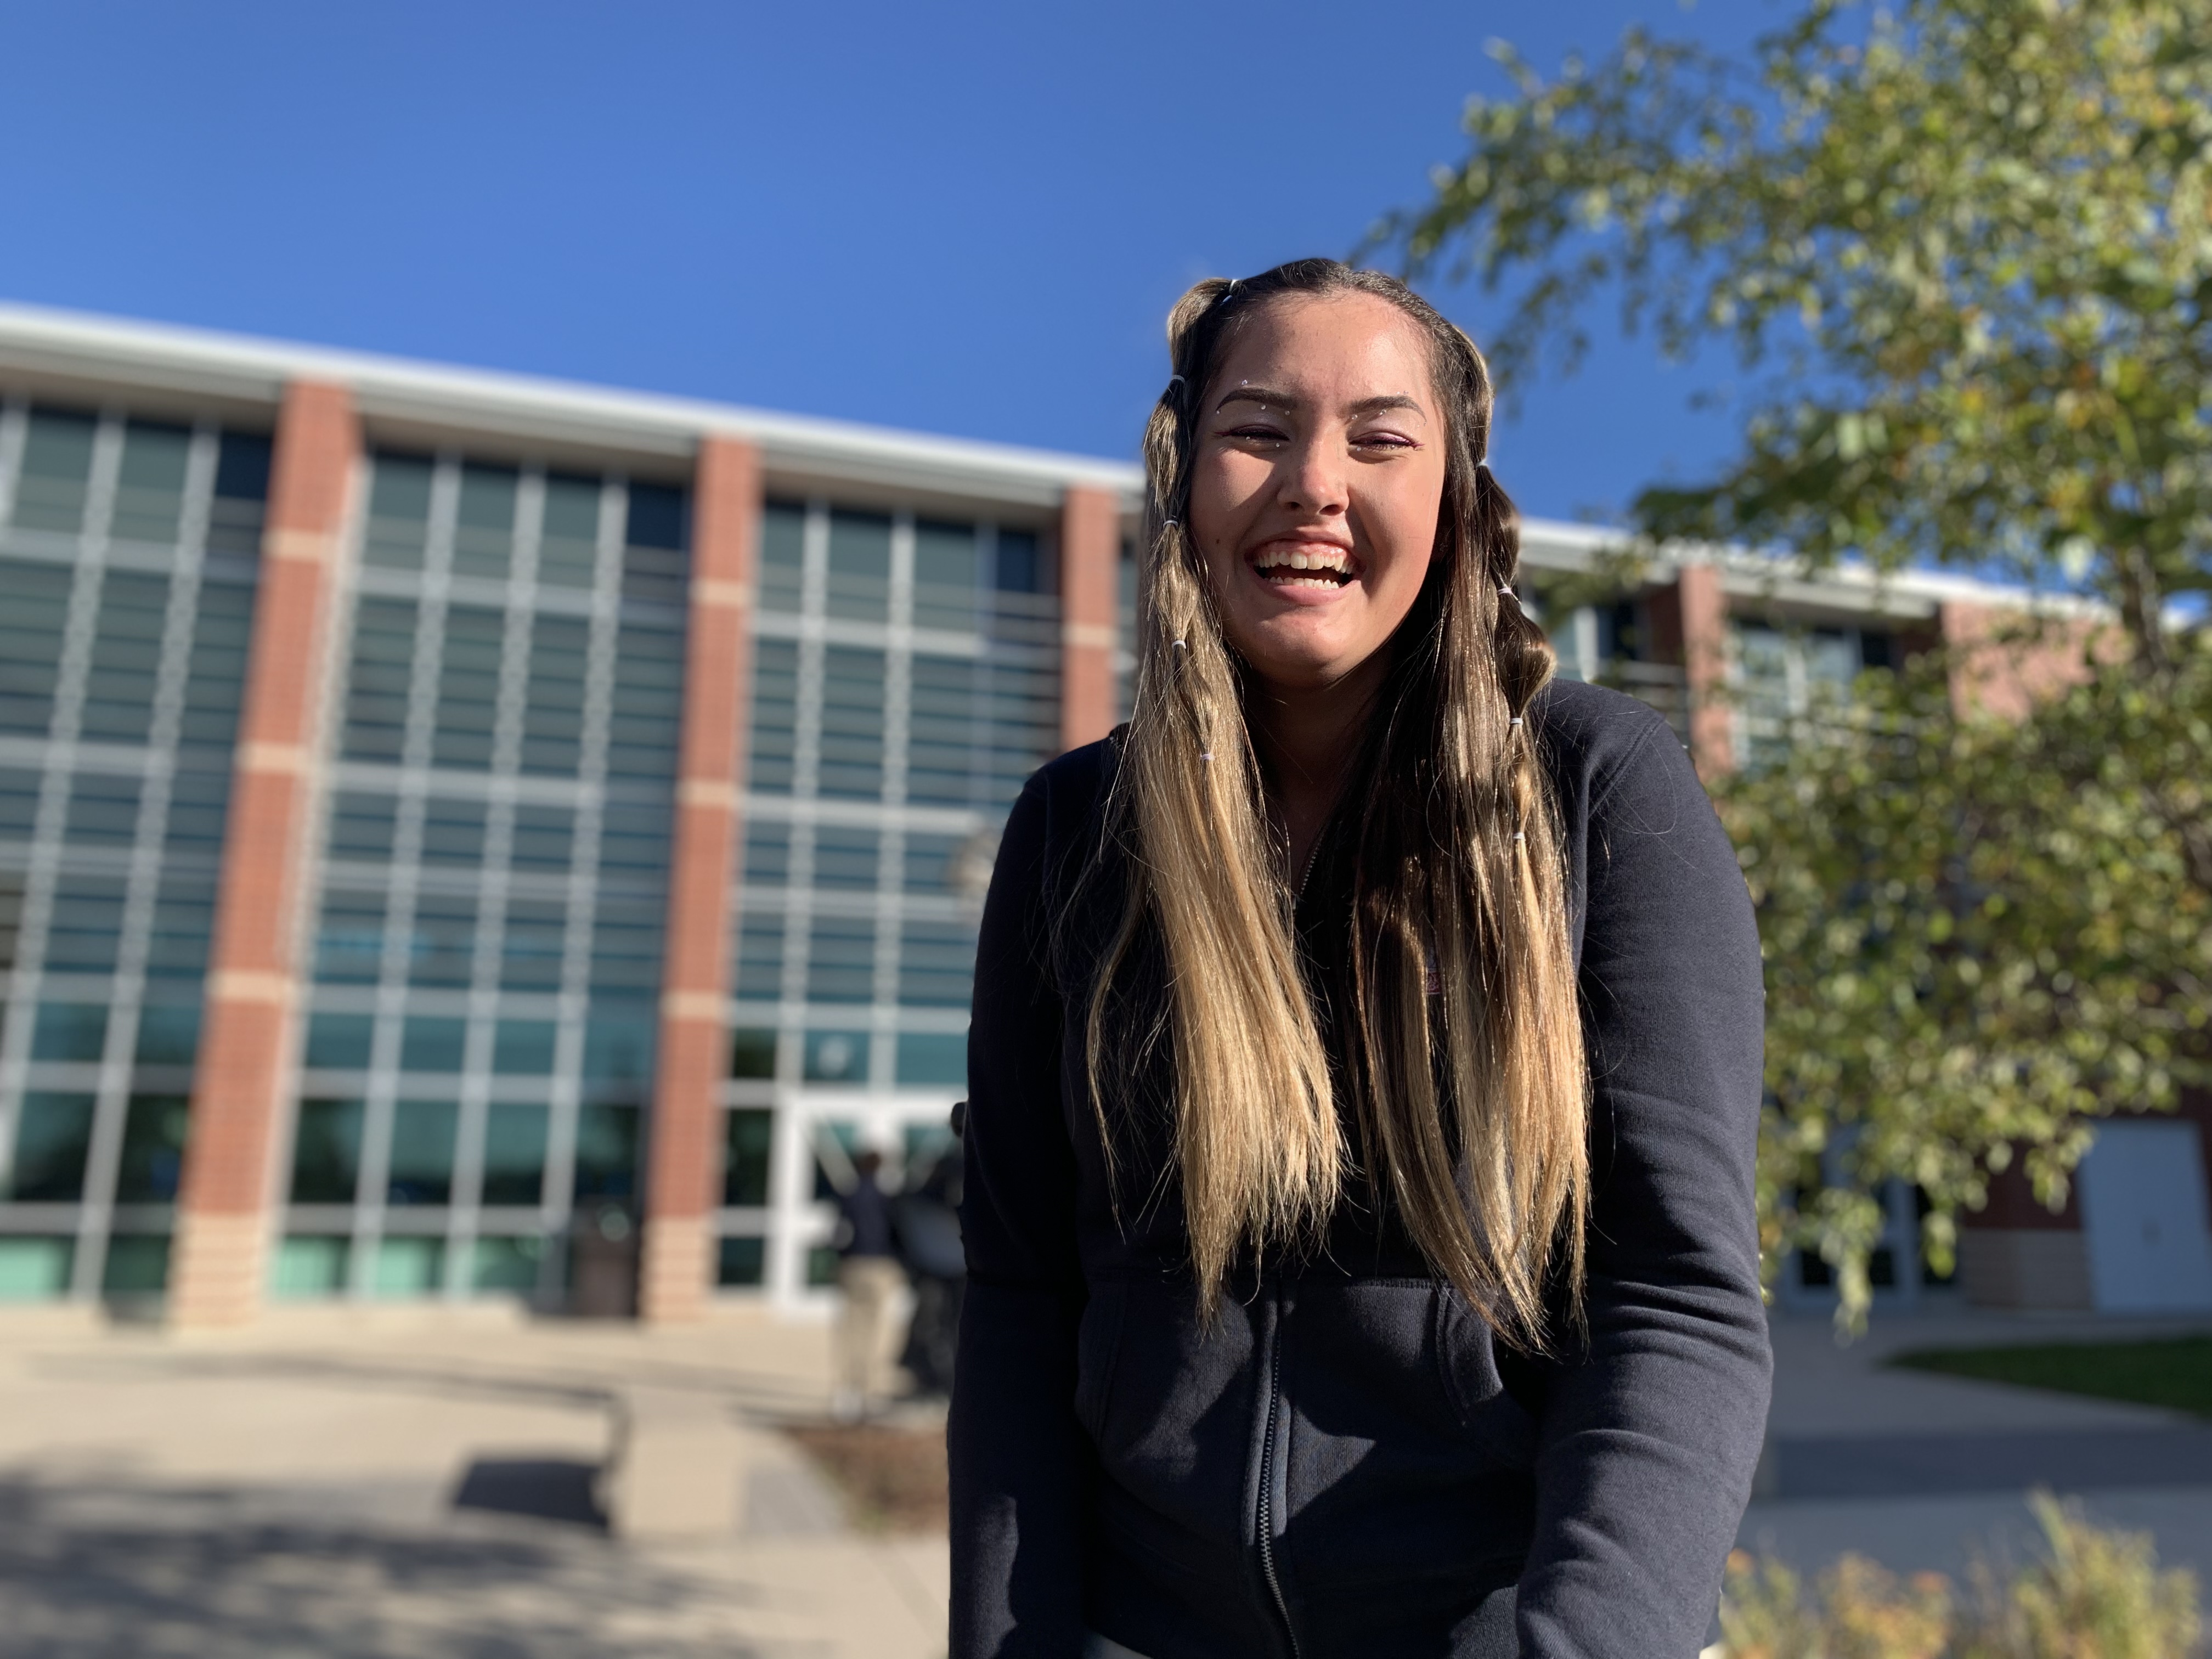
(1466, 1365)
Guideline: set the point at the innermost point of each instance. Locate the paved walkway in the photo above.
(347, 1491)
(1922, 1471)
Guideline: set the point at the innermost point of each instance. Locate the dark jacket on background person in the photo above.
(864, 1218)
(1345, 1463)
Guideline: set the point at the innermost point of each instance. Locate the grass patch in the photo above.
(2175, 1372)
(892, 1479)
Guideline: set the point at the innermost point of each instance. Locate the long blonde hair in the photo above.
(1463, 1051)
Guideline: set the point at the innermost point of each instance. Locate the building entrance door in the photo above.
(2144, 1216)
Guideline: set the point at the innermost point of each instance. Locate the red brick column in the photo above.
(2004, 662)
(1703, 611)
(228, 1193)
(683, 1166)
(1090, 577)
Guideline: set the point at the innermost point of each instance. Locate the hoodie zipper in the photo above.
(1266, 1516)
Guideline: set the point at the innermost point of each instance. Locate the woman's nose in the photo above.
(1314, 481)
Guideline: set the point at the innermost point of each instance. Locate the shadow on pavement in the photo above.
(546, 1489)
(103, 1568)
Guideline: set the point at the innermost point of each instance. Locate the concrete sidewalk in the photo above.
(410, 1487)
(1921, 1470)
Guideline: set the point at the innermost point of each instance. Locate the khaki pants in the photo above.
(869, 1283)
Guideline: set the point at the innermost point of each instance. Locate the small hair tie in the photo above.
(1507, 592)
(1170, 524)
(1180, 645)
(1175, 380)
(1516, 721)
(1230, 293)
(1517, 835)
(1206, 755)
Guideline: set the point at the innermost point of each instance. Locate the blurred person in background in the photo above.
(869, 1279)
(928, 1214)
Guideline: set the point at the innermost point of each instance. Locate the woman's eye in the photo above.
(1383, 441)
(1252, 433)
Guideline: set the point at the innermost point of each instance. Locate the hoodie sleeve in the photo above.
(1649, 1435)
(1019, 1459)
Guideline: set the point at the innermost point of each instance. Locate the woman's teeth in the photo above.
(1315, 566)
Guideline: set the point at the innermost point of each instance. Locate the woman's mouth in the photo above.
(1304, 564)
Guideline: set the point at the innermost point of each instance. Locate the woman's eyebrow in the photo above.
(1288, 405)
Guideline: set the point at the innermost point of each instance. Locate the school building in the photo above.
(467, 835)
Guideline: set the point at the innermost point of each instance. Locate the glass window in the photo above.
(654, 568)
(768, 853)
(932, 1058)
(340, 1042)
(69, 1030)
(506, 1264)
(349, 938)
(524, 1047)
(361, 827)
(150, 485)
(87, 926)
(126, 657)
(34, 1269)
(514, 1153)
(49, 492)
(836, 1057)
(741, 1262)
(760, 956)
(183, 924)
(748, 1135)
(153, 1154)
(852, 765)
(241, 495)
(53, 1131)
(19, 802)
(199, 802)
(544, 838)
(215, 677)
(377, 684)
(626, 949)
(567, 550)
(634, 837)
(841, 959)
(553, 713)
(468, 688)
(399, 512)
(33, 611)
(137, 1264)
(421, 1169)
(859, 566)
(531, 944)
(168, 1034)
(1020, 570)
(606, 1151)
(783, 555)
(453, 831)
(445, 941)
(937, 964)
(326, 1152)
(103, 810)
(944, 571)
(645, 707)
(774, 716)
(483, 521)
(752, 1053)
(310, 1265)
(845, 858)
(408, 1266)
(432, 1042)
(618, 1045)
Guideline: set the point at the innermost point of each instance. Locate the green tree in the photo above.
(1963, 251)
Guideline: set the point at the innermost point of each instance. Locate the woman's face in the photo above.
(1319, 475)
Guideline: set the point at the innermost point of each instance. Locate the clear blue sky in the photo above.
(967, 219)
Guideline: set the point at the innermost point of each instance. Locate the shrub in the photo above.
(2096, 1595)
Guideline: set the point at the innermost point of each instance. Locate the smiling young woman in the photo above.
(1364, 1078)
